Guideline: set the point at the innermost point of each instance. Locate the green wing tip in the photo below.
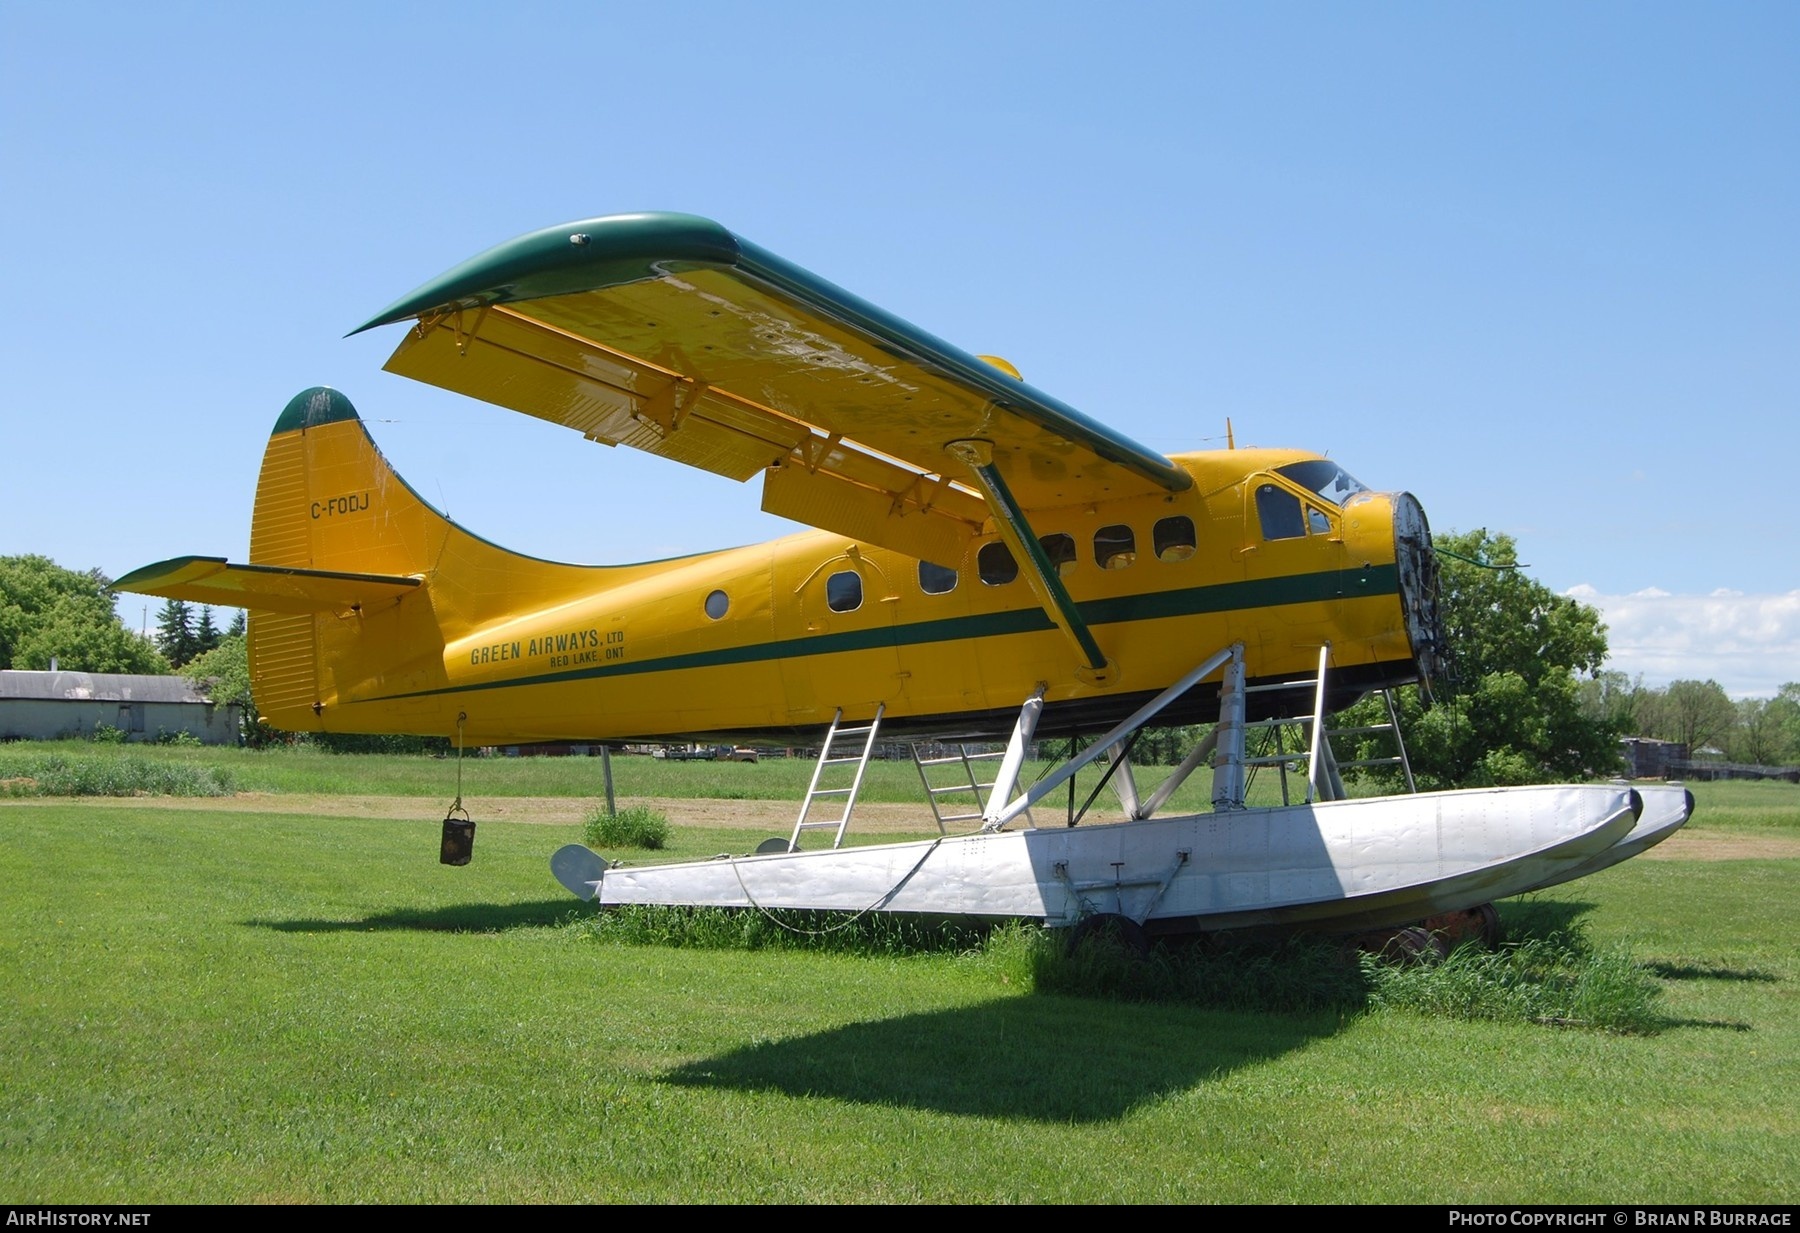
(572, 256)
(311, 408)
(154, 575)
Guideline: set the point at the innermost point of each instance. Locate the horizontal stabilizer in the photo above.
(266, 588)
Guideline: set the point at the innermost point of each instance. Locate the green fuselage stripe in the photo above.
(1373, 580)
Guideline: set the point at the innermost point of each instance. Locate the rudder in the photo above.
(326, 499)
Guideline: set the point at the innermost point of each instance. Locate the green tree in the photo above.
(1612, 696)
(1519, 703)
(1696, 713)
(175, 632)
(48, 612)
(1785, 706)
(1758, 736)
(223, 674)
(206, 634)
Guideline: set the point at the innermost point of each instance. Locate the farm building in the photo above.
(47, 705)
(1648, 759)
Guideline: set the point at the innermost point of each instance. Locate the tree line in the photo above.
(1701, 716)
(1526, 697)
(48, 613)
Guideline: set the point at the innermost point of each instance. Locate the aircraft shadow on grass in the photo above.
(1700, 971)
(995, 1059)
(454, 918)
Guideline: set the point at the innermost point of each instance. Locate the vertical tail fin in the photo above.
(326, 500)
(356, 587)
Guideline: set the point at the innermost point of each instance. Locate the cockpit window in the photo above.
(1324, 477)
(1279, 511)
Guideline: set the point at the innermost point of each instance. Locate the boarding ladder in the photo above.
(1324, 774)
(967, 784)
(838, 736)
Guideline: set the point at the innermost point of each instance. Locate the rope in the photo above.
(457, 805)
(1445, 552)
(845, 924)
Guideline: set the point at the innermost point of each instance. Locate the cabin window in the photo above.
(717, 604)
(995, 564)
(1174, 538)
(935, 579)
(1115, 547)
(1060, 549)
(1317, 522)
(1279, 511)
(1324, 477)
(843, 591)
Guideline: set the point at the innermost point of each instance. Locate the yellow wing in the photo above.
(667, 333)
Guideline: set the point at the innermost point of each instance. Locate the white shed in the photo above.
(48, 705)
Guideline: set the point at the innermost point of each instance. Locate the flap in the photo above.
(669, 334)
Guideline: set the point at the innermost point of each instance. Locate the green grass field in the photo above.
(311, 770)
(215, 1004)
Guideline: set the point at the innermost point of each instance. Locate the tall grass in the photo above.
(748, 929)
(635, 826)
(106, 772)
(1553, 978)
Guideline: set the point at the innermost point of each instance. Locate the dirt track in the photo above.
(775, 817)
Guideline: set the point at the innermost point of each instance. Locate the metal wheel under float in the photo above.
(1111, 929)
(1480, 923)
(1435, 936)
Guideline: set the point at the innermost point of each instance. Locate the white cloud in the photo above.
(1750, 644)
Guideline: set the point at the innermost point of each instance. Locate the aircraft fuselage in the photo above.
(772, 638)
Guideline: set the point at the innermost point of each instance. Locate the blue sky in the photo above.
(1538, 264)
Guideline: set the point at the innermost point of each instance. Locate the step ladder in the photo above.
(837, 737)
(967, 784)
(1392, 725)
(1324, 774)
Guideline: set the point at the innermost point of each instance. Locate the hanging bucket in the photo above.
(459, 840)
(459, 832)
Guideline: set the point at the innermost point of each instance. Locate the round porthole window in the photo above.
(716, 604)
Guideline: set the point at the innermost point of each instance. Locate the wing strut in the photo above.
(1016, 533)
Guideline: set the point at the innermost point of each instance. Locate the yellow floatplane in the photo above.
(986, 561)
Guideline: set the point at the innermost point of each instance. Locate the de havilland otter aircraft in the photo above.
(986, 560)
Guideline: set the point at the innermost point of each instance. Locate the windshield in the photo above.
(1324, 477)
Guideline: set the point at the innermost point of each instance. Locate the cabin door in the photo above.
(836, 629)
(1295, 568)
